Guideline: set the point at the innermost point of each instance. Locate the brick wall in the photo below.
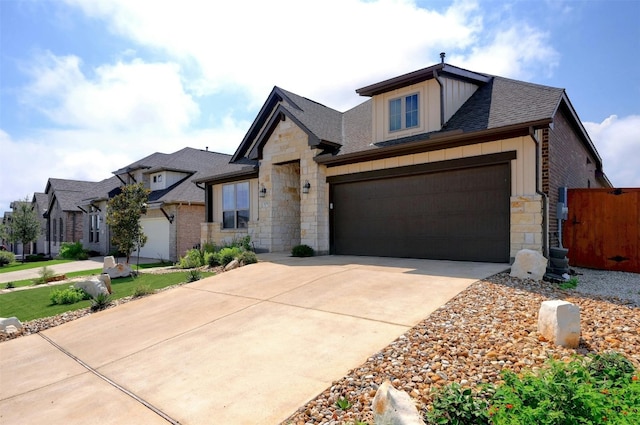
(187, 222)
(566, 162)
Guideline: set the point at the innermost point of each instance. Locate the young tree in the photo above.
(123, 217)
(24, 226)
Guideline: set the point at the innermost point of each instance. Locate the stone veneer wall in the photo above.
(526, 223)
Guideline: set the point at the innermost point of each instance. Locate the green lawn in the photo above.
(17, 266)
(35, 303)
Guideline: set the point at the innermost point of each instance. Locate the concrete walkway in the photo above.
(248, 346)
(73, 266)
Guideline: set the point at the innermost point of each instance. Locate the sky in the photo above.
(88, 87)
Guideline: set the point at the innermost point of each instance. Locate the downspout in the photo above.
(437, 78)
(545, 199)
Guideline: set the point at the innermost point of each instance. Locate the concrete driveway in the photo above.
(248, 346)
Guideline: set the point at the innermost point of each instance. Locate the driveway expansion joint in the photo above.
(111, 382)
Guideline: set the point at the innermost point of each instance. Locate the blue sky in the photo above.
(87, 87)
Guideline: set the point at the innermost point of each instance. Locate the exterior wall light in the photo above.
(263, 191)
(306, 187)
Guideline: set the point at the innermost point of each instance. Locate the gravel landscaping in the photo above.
(488, 327)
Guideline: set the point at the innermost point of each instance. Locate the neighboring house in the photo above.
(440, 163)
(40, 205)
(64, 218)
(175, 207)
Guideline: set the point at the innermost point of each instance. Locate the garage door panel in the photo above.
(457, 214)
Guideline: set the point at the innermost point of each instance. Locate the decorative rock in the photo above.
(106, 279)
(6, 323)
(393, 407)
(559, 323)
(119, 270)
(109, 262)
(232, 265)
(529, 264)
(94, 286)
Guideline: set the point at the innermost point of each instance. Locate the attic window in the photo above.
(403, 112)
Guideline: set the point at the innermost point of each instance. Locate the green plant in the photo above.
(211, 259)
(193, 258)
(193, 275)
(343, 403)
(100, 302)
(572, 283)
(302, 251)
(70, 295)
(45, 274)
(569, 393)
(32, 258)
(455, 405)
(73, 251)
(6, 257)
(141, 290)
(247, 257)
(228, 254)
(9, 285)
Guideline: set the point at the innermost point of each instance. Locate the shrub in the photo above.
(247, 257)
(72, 251)
(193, 275)
(193, 258)
(141, 290)
(32, 258)
(454, 404)
(580, 391)
(211, 259)
(46, 274)
(70, 295)
(302, 251)
(6, 257)
(9, 285)
(100, 302)
(227, 255)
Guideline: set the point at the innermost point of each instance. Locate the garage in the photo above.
(157, 231)
(452, 214)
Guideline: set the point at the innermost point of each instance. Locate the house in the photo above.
(175, 206)
(440, 163)
(39, 202)
(64, 218)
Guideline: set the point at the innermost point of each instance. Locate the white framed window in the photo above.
(94, 230)
(404, 112)
(235, 206)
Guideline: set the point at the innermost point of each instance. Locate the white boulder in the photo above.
(10, 324)
(394, 407)
(109, 262)
(94, 286)
(529, 264)
(559, 323)
(119, 270)
(234, 264)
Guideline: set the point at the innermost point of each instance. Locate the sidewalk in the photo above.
(74, 266)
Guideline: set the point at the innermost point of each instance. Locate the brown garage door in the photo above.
(461, 214)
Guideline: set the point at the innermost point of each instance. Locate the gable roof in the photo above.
(68, 193)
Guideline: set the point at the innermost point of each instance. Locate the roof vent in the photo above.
(442, 55)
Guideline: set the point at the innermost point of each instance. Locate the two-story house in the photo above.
(440, 163)
(175, 207)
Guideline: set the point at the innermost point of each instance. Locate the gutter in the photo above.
(545, 198)
(437, 78)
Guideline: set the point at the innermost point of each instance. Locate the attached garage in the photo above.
(457, 212)
(157, 231)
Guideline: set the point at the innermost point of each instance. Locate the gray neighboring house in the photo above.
(439, 163)
(40, 205)
(63, 216)
(175, 208)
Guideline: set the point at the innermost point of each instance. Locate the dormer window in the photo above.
(403, 112)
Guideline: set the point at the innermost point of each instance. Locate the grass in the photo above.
(17, 266)
(35, 303)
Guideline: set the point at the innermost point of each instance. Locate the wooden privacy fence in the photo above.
(602, 230)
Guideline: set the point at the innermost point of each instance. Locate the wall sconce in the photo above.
(306, 187)
(263, 191)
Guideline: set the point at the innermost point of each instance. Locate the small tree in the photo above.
(24, 226)
(123, 217)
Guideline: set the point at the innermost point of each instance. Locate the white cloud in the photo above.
(618, 142)
(135, 96)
